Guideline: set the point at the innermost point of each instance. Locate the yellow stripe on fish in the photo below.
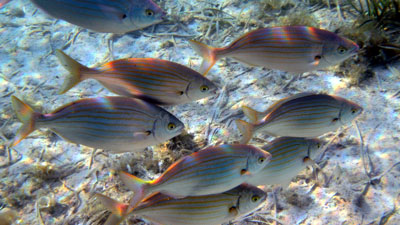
(192, 210)
(289, 156)
(118, 124)
(301, 115)
(291, 48)
(209, 171)
(153, 80)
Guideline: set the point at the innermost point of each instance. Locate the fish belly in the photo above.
(299, 64)
(191, 213)
(300, 128)
(277, 174)
(116, 142)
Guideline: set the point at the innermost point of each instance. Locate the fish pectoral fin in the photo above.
(244, 172)
(316, 61)
(233, 211)
(309, 162)
(141, 134)
(178, 92)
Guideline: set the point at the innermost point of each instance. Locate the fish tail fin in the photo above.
(207, 52)
(252, 114)
(75, 69)
(246, 129)
(119, 210)
(137, 185)
(27, 116)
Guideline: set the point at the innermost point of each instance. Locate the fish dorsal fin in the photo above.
(283, 101)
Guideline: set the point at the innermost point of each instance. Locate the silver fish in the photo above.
(289, 157)
(193, 210)
(110, 16)
(157, 81)
(301, 115)
(118, 124)
(295, 49)
(211, 170)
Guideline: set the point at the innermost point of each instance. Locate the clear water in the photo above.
(47, 180)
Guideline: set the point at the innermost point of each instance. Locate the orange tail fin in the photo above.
(119, 210)
(137, 185)
(246, 129)
(27, 116)
(75, 68)
(208, 53)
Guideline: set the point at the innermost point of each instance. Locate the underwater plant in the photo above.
(382, 19)
(377, 31)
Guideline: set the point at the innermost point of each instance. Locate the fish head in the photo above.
(167, 126)
(337, 49)
(349, 111)
(200, 87)
(257, 159)
(250, 198)
(314, 145)
(145, 13)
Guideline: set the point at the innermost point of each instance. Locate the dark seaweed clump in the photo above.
(377, 32)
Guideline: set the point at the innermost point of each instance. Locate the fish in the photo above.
(157, 81)
(108, 16)
(117, 124)
(209, 171)
(295, 49)
(290, 155)
(3, 2)
(302, 115)
(212, 209)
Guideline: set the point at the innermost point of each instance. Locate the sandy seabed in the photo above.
(49, 180)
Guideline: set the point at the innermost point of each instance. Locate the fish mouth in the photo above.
(164, 16)
(355, 50)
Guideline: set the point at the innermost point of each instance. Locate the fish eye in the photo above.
(204, 88)
(341, 50)
(353, 111)
(255, 198)
(149, 12)
(318, 145)
(171, 126)
(261, 160)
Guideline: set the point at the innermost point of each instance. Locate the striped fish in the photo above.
(295, 49)
(3, 2)
(118, 124)
(289, 157)
(154, 80)
(301, 115)
(193, 210)
(212, 170)
(110, 16)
